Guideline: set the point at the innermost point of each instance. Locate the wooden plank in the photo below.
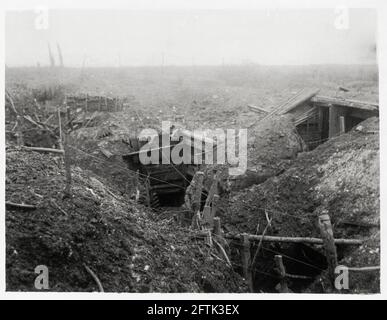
(37, 149)
(327, 101)
(257, 109)
(300, 100)
(23, 206)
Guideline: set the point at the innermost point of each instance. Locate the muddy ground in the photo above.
(132, 248)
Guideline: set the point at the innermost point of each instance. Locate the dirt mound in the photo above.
(341, 176)
(115, 237)
(272, 142)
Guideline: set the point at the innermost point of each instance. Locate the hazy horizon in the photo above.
(111, 38)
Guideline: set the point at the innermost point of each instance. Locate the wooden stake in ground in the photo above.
(19, 130)
(265, 238)
(215, 201)
(208, 212)
(217, 227)
(67, 160)
(324, 223)
(246, 259)
(85, 109)
(147, 192)
(283, 286)
(197, 192)
(68, 118)
(207, 217)
(37, 149)
(208, 239)
(60, 129)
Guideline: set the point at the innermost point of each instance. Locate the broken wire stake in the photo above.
(246, 259)
(95, 278)
(67, 160)
(283, 286)
(326, 230)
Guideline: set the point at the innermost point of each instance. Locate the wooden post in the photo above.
(333, 121)
(208, 212)
(19, 131)
(208, 239)
(197, 193)
(215, 201)
(68, 118)
(213, 189)
(67, 160)
(324, 223)
(342, 124)
(195, 223)
(67, 157)
(283, 286)
(85, 109)
(148, 193)
(246, 259)
(60, 129)
(207, 217)
(217, 227)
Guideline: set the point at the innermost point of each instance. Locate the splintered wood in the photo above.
(246, 260)
(324, 223)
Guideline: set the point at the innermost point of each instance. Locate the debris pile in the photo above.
(97, 228)
(340, 177)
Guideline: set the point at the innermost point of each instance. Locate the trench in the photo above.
(299, 259)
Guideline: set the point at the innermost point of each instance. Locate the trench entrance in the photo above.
(298, 259)
(172, 199)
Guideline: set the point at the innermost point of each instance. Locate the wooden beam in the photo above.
(257, 109)
(38, 149)
(20, 205)
(295, 239)
(300, 100)
(328, 101)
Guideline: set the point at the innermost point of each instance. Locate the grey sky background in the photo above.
(135, 38)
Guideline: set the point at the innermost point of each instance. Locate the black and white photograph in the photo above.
(192, 150)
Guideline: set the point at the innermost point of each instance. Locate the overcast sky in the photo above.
(133, 38)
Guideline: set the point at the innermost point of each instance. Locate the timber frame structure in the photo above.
(319, 118)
